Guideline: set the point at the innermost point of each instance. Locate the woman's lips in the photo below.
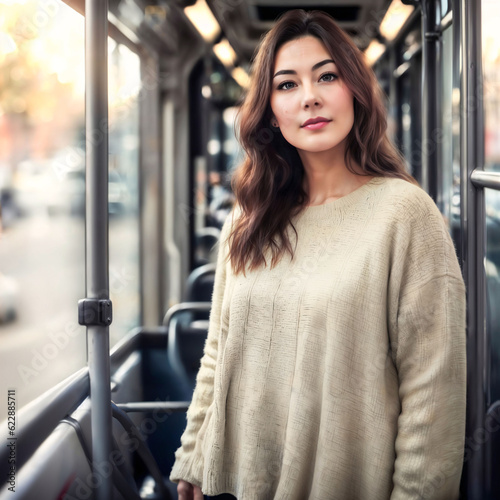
(316, 125)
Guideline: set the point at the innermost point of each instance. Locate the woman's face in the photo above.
(311, 105)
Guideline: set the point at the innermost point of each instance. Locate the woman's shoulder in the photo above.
(402, 190)
(408, 201)
(415, 219)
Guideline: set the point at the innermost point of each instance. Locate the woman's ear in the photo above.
(274, 122)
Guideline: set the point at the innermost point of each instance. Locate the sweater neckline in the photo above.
(317, 211)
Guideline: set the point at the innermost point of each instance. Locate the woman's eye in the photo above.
(285, 85)
(328, 77)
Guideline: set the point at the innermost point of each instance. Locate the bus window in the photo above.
(445, 7)
(409, 101)
(409, 129)
(232, 149)
(124, 82)
(448, 141)
(42, 192)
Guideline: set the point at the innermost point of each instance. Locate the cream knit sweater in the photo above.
(339, 374)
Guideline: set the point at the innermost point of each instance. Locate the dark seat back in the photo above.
(200, 284)
(205, 241)
(185, 350)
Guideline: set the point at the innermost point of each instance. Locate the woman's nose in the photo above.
(310, 97)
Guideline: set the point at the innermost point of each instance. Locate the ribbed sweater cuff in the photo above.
(187, 471)
(216, 483)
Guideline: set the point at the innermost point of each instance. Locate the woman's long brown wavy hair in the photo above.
(269, 184)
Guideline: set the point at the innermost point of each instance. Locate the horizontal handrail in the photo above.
(39, 418)
(483, 179)
(186, 306)
(147, 406)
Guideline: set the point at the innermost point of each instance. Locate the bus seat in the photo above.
(205, 241)
(200, 284)
(59, 466)
(185, 349)
(199, 288)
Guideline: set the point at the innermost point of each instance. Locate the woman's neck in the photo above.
(328, 178)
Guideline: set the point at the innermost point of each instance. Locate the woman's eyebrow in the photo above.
(314, 68)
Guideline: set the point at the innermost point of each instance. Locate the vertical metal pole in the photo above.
(431, 60)
(97, 279)
(473, 243)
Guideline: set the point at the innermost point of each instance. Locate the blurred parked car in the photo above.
(30, 184)
(67, 196)
(67, 191)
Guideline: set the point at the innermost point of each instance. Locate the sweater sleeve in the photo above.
(189, 457)
(427, 337)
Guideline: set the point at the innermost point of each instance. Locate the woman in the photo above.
(335, 361)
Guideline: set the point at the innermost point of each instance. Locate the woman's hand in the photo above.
(187, 491)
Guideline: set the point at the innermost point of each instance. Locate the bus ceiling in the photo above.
(162, 24)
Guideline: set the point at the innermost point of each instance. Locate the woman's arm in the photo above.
(427, 335)
(188, 458)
